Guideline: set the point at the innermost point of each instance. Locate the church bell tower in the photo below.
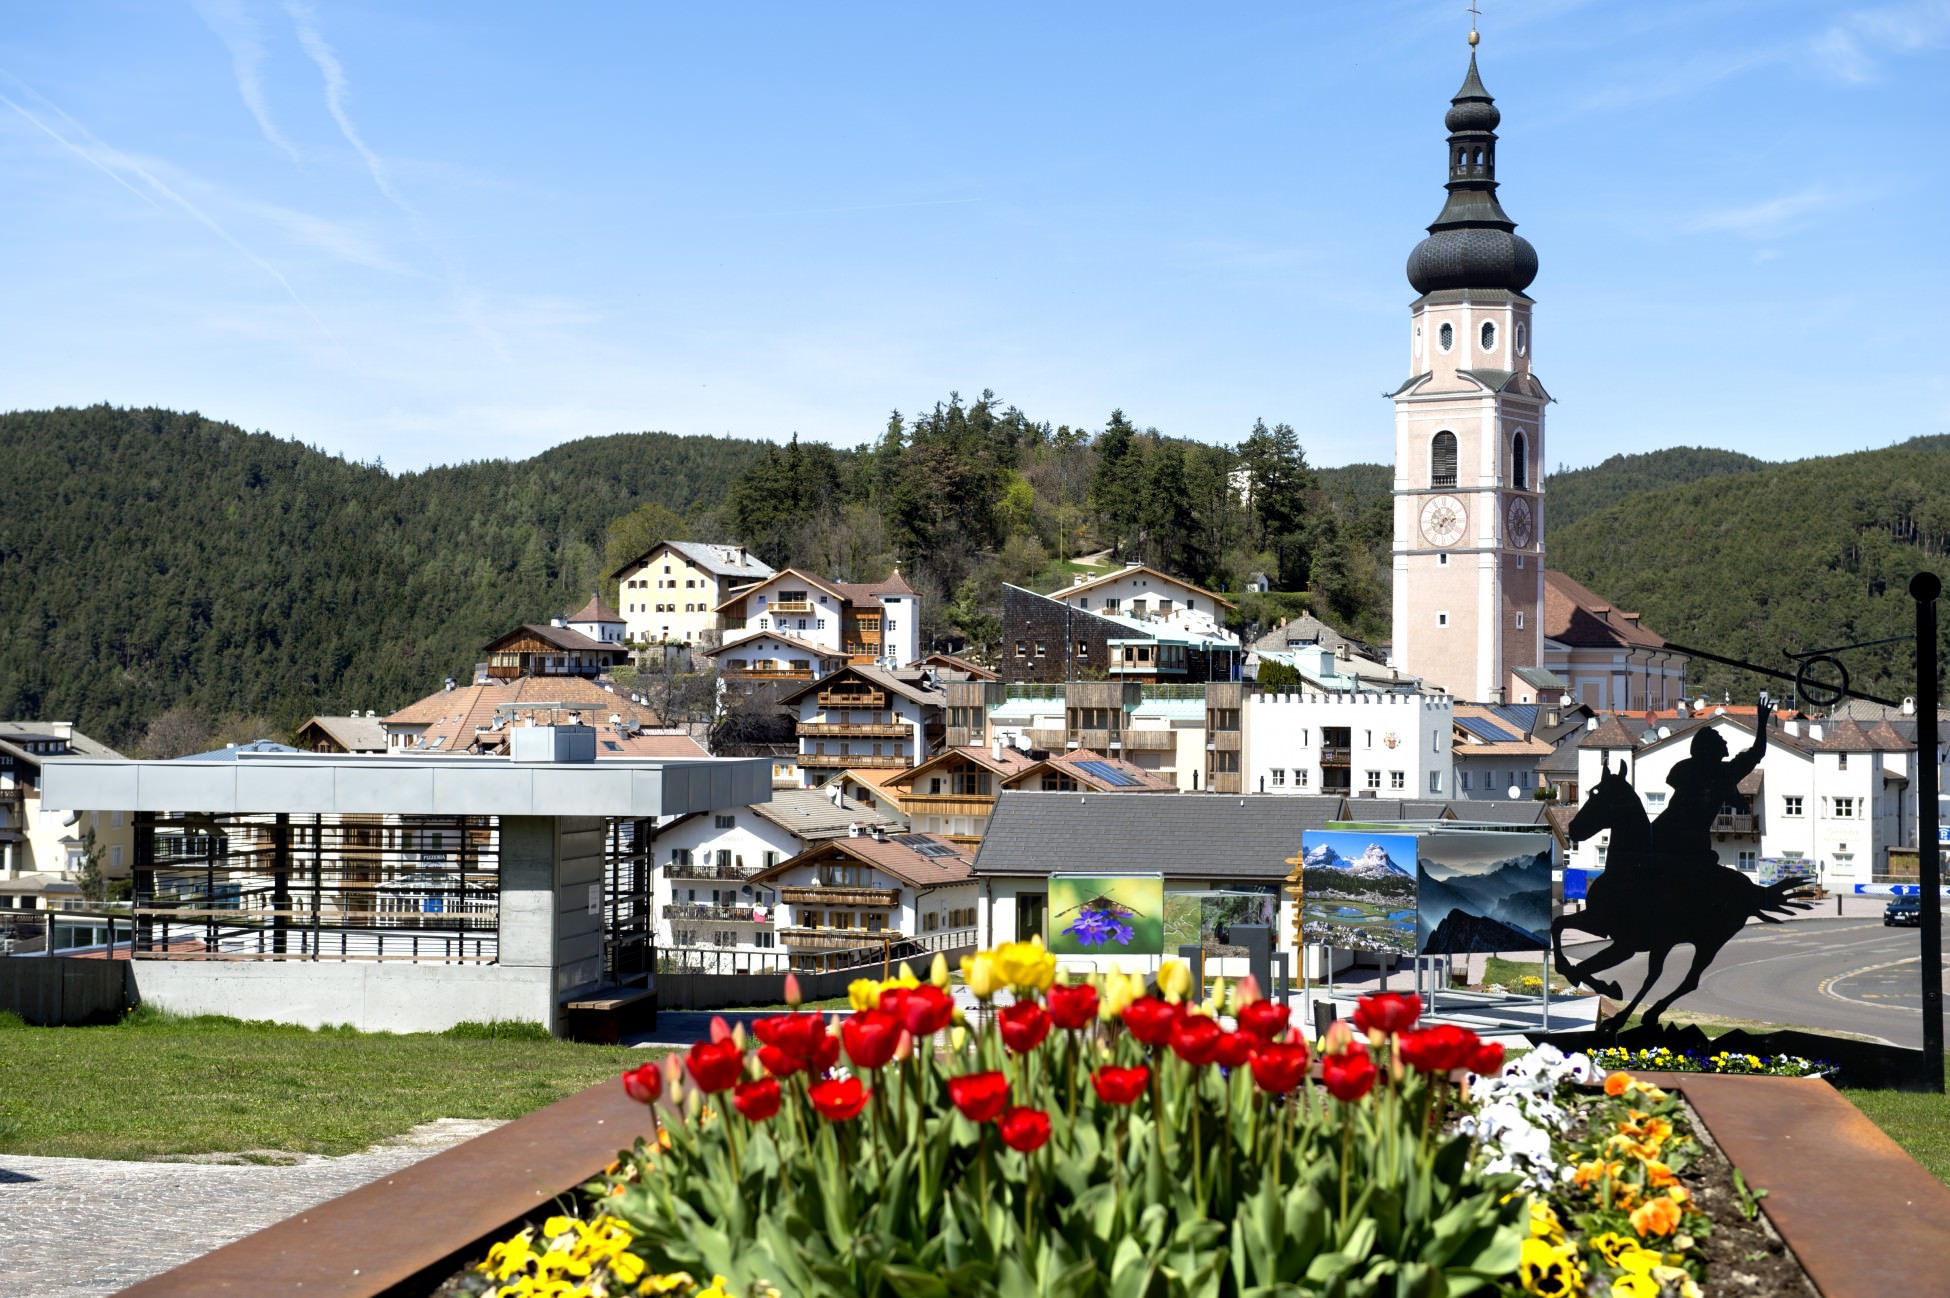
(1469, 436)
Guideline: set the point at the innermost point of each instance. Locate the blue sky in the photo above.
(449, 232)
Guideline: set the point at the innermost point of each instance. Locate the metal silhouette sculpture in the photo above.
(1663, 886)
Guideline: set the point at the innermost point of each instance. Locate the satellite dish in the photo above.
(1515, 793)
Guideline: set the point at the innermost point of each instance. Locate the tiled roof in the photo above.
(559, 636)
(22, 733)
(790, 642)
(596, 611)
(949, 662)
(1141, 781)
(1395, 809)
(728, 561)
(811, 813)
(869, 592)
(1012, 762)
(453, 716)
(1575, 615)
(900, 855)
(353, 734)
(831, 588)
(907, 689)
(1128, 570)
(1204, 835)
(611, 743)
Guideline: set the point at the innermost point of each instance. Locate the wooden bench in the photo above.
(602, 1015)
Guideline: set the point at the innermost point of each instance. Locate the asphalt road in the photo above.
(1835, 975)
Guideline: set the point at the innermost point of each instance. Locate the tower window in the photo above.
(1519, 621)
(1442, 619)
(1489, 336)
(1523, 338)
(1442, 458)
(1446, 336)
(1519, 460)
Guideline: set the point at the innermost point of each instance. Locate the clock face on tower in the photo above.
(1443, 520)
(1520, 522)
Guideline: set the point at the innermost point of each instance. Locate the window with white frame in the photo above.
(1845, 808)
(1279, 777)
(1435, 781)
(1791, 805)
(1398, 779)
(1374, 779)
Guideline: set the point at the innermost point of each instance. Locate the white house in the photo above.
(1834, 796)
(774, 655)
(598, 621)
(1146, 594)
(42, 850)
(671, 592)
(907, 894)
(865, 718)
(1496, 749)
(1353, 744)
(703, 894)
(863, 622)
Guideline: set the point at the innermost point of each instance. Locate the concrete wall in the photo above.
(368, 995)
(717, 991)
(64, 991)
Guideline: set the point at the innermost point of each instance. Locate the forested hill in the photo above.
(1574, 493)
(1757, 562)
(149, 558)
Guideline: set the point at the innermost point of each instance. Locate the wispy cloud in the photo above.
(238, 31)
(1678, 78)
(342, 241)
(1853, 48)
(1768, 218)
(120, 167)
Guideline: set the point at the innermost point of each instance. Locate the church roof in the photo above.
(1472, 244)
(1576, 616)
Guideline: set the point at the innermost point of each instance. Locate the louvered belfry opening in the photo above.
(1442, 460)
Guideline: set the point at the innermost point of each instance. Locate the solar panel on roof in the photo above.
(1523, 716)
(1486, 730)
(1108, 774)
(926, 846)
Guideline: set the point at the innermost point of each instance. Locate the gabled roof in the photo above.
(831, 588)
(610, 742)
(1249, 839)
(869, 592)
(559, 636)
(893, 684)
(949, 662)
(1100, 773)
(1394, 809)
(453, 718)
(1010, 763)
(596, 611)
(1130, 570)
(727, 561)
(1577, 617)
(15, 736)
(917, 860)
(811, 813)
(353, 734)
(791, 642)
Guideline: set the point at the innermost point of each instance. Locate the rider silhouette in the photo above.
(1701, 785)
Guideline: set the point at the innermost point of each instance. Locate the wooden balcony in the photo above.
(1336, 756)
(766, 674)
(840, 895)
(1738, 824)
(726, 873)
(791, 606)
(837, 939)
(855, 729)
(1156, 741)
(852, 698)
(707, 911)
(841, 761)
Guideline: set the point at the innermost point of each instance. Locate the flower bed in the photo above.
(1664, 1059)
(1110, 1137)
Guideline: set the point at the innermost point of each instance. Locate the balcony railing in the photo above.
(852, 699)
(840, 761)
(1336, 756)
(1736, 824)
(792, 606)
(855, 729)
(707, 910)
(821, 939)
(686, 870)
(840, 894)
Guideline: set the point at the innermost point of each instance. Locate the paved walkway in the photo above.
(83, 1227)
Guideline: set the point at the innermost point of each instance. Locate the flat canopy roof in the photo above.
(339, 784)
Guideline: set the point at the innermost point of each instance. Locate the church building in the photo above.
(1469, 439)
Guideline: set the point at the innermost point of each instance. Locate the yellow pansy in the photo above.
(1548, 1270)
(1544, 1223)
(1634, 1285)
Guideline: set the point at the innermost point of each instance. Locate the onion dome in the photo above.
(1473, 243)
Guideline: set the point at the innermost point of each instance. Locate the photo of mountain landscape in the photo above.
(1483, 892)
(1359, 890)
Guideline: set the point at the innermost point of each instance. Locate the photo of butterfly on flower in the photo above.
(1094, 914)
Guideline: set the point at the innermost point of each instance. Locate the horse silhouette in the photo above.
(1643, 901)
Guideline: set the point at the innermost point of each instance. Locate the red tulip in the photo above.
(1387, 1013)
(715, 1065)
(796, 1043)
(1120, 1085)
(1236, 1049)
(1024, 1025)
(1440, 1049)
(1024, 1129)
(923, 1010)
(980, 1096)
(870, 1038)
(1150, 1020)
(1349, 1075)
(644, 1083)
(1264, 1019)
(1279, 1066)
(1072, 1008)
(757, 1100)
(1195, 1039)
(1487, 1059)
(839, 1100)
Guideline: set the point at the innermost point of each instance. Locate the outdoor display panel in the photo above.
(1360, 890)
(1205, 918)
(1483, 891)
(1106, 914)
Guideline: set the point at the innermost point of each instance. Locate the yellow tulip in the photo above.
(938, 971)
(863, 994)
(1218, 995)
(1115, 994)
(979, 972)
(957, 1038)
(1175, 980)
(904, 976)
(1025, 966)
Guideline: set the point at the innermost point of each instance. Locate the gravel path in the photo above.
(83, 1227)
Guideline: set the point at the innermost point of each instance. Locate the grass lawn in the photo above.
(1512, 973)
(1919, 1123)
(153, 1085)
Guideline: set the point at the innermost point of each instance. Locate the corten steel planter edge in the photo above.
(405, 1232)
(1863, 1218)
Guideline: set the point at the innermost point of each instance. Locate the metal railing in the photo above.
(709, 910)
(729, 873)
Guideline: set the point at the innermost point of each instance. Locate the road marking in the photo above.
(1827, 987)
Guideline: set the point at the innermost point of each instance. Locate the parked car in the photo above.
(1903, 910)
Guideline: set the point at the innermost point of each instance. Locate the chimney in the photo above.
(1815, 733)
(856, 830)
(1793, 727)
(838, 796)
(995, 749)
(880, 833)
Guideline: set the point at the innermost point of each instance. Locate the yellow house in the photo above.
(43, 853)
(670, 594)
